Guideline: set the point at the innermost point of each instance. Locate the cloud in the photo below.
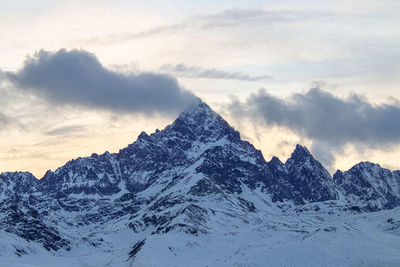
(198, 72)
(76, 77)
(226, 18)
(3, 76)
(4, 121)
(329, 121)
(8, 122)
(65, 130)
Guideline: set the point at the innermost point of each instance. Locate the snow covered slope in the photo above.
(196, 194)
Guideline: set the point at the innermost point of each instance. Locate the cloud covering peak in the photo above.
(76, 77)
(329, 121)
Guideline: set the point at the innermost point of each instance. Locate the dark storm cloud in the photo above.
(197, 72)
(329, 121)
(76, 77)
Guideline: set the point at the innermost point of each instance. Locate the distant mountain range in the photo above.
(195, 194)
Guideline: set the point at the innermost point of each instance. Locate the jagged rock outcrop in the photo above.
(369, 186)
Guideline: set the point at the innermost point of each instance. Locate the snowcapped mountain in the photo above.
(369, 186)
(196, 193)
(16, 184)
(307, 180)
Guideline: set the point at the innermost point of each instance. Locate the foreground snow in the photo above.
(323, 238)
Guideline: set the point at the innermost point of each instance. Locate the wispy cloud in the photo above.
(65, 130)
(230, 18)
(182, 70)
(76, 77)
(226, 18)
(4, 121)
(329, 121)
(9, 122)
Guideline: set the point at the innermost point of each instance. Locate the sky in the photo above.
(83, 77)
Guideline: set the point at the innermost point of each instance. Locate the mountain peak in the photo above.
(366, 165)
(275, 160)
(370, 186)
(301, 153)
(301, 149)
(196, 108)
(199, 120)
(20, 176)
(16, 182)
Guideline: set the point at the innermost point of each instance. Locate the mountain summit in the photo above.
(199, 122)
(194, 179)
